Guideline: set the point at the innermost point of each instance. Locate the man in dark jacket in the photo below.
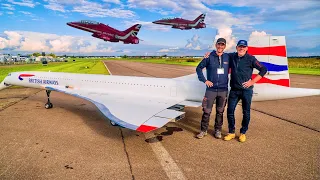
(242, 65)
(217, 66)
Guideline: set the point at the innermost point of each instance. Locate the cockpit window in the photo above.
(88, 22)
(9, 74)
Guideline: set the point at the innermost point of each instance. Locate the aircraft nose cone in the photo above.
(155, 22)
(69, 23)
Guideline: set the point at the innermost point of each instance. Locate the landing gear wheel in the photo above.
(48, 105)
(113, 123)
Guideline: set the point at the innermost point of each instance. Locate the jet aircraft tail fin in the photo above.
(200, 19)
(271, 52)
(133, 29)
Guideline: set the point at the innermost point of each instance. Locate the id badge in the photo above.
(220, 71)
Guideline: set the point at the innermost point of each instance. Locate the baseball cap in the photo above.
(242, 43)
(221, 40)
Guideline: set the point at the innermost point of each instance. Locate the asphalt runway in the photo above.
(75, 141)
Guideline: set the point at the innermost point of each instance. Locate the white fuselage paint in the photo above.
(178, 88)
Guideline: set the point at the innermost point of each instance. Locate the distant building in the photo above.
(43, 58)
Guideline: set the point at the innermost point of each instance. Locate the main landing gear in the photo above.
(48, 105)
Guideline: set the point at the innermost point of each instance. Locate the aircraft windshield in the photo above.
(88, 22)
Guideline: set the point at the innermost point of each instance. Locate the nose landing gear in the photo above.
(48, 105)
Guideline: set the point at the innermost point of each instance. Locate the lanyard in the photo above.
(220, 63)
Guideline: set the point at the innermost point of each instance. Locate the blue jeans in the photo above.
(234, 97)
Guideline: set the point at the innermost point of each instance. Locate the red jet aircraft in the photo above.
(108, 33)
(183, 24)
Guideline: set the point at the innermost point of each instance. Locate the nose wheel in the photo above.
(48, 105)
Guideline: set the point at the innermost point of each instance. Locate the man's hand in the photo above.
(207, 55)
(248, 84)
(209, 83)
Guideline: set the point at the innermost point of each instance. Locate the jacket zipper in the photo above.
(219, 59)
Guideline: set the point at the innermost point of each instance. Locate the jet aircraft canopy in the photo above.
(89, 22)
(168, 18)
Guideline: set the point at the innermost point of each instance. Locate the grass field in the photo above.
(304, 66)
(85, 66)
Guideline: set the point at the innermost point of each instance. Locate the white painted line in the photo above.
(169, 166)
(107, 68)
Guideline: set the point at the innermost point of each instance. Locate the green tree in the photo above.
(53, 55)
(124, 56)
(36, 54)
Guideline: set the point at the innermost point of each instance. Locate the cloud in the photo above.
(8, 7)
(10, 13)
(55, 6)
(26, 41)
(112, 1)
(0, 13)
(230, 39)
(13, 40)
(90, 8)
(304, 42)
(155, 4)
(194, 43)
(167, 50)
(25, 12)
(147, 25)
(27, 3)
(255, 34)
(301, 12)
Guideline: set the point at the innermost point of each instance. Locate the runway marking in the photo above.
(107, 68)
(169, 166)
(131, 69)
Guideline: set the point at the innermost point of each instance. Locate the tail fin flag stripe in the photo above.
(281, 82)
(275, 67)
(272, 50)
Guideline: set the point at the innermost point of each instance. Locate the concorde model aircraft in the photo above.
(145, 104)
(183, 24)
(108, 33)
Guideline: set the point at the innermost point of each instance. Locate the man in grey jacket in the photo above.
(217, 66)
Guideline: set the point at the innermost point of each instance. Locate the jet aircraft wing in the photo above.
(134, 112)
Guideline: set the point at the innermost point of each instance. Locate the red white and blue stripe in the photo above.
(272, 54)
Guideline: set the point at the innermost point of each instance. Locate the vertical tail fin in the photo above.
(200, 19)
(133, 29)
(271, 52)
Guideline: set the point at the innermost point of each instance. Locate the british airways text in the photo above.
(41, 81)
